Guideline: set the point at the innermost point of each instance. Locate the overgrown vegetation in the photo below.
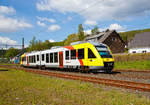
(133, 61)
(37, 45)
(2, 53)
(133, 65)
(22, 88)
(11, 52)
(131, 57)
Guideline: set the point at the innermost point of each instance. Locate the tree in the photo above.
(11, 52)
(95, 30)
(80, 32)
(32, 44)
(71, 38)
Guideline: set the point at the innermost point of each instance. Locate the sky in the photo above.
(54, 20)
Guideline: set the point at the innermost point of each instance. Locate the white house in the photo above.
(140, 43)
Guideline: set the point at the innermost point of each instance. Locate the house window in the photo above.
(51, 57)
(56, 57)
(73, 54)
(113, 39)
(91, 54)
(80, 53)
(67, 55)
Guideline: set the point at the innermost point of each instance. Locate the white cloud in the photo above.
(98, 10)
(54, 27)
(6, 40)
(88, 31)
(40, 6)
(90, 22)
(41, 24)
(114, 26)
(11, 25)
(7, 10)
(46, 19)
(51, 40)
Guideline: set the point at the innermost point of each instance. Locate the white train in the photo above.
(83, 56)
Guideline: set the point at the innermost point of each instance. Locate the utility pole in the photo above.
(22, 43)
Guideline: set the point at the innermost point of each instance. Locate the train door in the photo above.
(91, 58)
(27, 60)
(61, 59)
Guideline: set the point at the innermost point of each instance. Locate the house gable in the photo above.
(110, 38)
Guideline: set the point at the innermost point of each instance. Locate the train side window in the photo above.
(47, 58)
(23, 59)
(91, 54)
(73, 54)
(42, 57)
(56, 57)
(81, 53)
(31, 59)
(37, 57)
(67, 55)
(51, 57)
(34, 59)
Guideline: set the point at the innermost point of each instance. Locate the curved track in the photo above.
(110, 82)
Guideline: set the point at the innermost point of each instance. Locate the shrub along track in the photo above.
(116, 83)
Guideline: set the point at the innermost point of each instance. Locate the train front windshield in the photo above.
(103, 51)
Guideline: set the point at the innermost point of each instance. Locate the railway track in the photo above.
(116, 83)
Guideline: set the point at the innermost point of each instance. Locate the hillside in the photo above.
(129, 35)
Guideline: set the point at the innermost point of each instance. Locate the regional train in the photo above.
(84, 56)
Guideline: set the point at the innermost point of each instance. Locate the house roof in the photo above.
(102, 35)
(95, 36)
(140, 40)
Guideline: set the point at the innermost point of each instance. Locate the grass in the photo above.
(134, 65)
(22, 88)
(9, 64)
